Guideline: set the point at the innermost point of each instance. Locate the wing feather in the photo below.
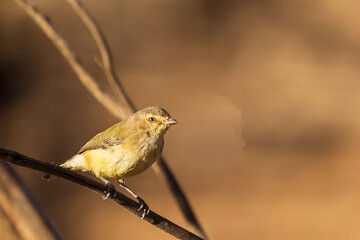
(112, 136)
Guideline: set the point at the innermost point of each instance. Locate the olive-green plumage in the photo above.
(127, 148)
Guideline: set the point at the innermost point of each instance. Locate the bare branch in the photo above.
(74, 62)
(104, 49)
(119, 198)
(120, 110)
(161, 168)
(21, 216)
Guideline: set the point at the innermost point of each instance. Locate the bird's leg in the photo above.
(142, 203)
(110, 188)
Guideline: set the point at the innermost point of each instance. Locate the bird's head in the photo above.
(153, 121)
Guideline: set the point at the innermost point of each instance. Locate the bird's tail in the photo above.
(77, 162)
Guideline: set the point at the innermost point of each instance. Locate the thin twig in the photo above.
(119, 198)
(178, 193)
(121, 110)
(87, 80)
(105, 53)
(161, 167)
(25, 217)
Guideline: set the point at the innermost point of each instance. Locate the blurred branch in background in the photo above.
(21, 217)
(88, 81)
(121, 108)
(105, 53)
(119, 198)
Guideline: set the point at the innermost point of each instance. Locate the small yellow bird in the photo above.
(125, 149)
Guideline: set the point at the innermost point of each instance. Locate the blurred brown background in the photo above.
(266, 93)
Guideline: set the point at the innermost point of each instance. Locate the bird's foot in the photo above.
(143, 206)
(109, 191)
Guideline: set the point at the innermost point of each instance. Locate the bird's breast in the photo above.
(150, 145)
(124, 161)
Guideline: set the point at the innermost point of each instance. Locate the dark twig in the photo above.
(24, 215)
(120, 109)
(182, 201)
(119, 198)
(162, 169)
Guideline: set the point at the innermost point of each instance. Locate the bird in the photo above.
(124, 150)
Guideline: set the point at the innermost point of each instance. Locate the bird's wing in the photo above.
(110, 137)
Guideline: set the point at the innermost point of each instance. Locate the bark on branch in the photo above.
(122, 107)
(119, 198)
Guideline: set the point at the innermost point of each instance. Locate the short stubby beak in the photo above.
(170, 121)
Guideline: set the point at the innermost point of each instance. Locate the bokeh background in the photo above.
(266, 93)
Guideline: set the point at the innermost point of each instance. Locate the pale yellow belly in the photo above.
(115, 163)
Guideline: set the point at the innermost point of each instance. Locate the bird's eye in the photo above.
(151, 119)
